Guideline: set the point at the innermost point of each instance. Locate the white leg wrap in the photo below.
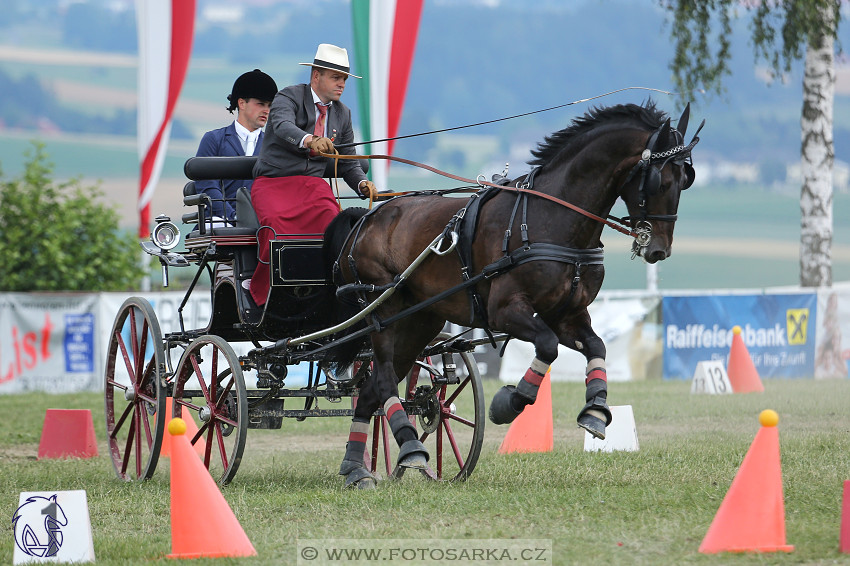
(594, 364)
(539, 367)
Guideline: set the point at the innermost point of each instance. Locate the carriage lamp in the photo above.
(166, 234)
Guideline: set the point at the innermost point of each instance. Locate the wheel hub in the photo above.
(426, 398)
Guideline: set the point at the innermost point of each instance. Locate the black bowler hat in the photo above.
(253, 84)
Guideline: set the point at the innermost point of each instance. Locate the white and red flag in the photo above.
(165, 30)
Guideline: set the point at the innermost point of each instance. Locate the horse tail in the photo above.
(335, 238)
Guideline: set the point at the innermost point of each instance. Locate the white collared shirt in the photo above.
(246, 138)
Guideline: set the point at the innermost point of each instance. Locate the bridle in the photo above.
(650, 178)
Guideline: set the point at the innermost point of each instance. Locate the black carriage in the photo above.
(197, 374)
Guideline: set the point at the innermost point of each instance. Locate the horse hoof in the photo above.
(360, 478)
(413, 454)
(364, 483)
(501, 409)
(593, 425)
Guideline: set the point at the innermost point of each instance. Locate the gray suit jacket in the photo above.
(292, 116)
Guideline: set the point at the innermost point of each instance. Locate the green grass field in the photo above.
(653, 506)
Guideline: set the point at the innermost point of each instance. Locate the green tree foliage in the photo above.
(58, 237)
(779, 32)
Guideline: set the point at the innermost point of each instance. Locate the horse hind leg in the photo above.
(353, 467)
(595, 415)
(412, 453)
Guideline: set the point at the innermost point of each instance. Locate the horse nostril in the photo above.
(656, 256)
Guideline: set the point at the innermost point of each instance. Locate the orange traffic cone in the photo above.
(742, 372)
(752, 515)
(67, 433)
(844, 543)
(191, 431)
(532, 431)
(202, 523)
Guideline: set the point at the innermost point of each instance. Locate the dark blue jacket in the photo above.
(223, 142)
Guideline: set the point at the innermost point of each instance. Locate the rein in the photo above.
(520, 189)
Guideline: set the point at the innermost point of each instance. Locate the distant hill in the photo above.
(475, 61)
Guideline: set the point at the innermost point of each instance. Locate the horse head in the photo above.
(654, 185)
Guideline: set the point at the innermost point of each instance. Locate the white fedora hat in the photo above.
(331, 57)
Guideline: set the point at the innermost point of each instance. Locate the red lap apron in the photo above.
(294, 207)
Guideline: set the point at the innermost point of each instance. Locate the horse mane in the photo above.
(646, 114)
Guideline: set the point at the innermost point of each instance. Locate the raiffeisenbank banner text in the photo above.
(778, 331)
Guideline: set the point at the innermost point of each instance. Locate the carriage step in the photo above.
(265, 422)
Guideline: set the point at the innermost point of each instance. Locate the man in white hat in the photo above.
(289, 194)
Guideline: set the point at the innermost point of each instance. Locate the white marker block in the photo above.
(52, 526)
(620, 435)
(711, 377)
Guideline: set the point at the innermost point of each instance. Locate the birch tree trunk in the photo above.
(817, 155)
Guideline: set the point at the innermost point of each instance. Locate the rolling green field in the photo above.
(653, 506)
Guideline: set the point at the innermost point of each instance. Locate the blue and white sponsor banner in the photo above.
(778, 331)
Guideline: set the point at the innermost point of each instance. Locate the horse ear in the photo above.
(663, 139)
(682, 125)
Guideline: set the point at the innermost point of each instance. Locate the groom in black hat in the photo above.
(251, 97)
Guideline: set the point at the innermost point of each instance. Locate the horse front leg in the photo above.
(520, 322)
(577, 334)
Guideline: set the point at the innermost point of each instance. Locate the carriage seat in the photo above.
(247, 224)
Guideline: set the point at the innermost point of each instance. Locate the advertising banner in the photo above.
(48, 343)
(778, 330)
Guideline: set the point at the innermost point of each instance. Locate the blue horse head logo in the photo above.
(38, 526)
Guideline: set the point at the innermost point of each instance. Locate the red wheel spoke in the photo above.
(220, 418)
(133, 341)
(115, 384)
(385, 433)
(143, 416)
(199, 374)
(208, 446)
(222, 395)
(124, 354)
(128, 445)
(213, 376)
(187, 404)
(143, 346)
(457, 391)
(467, 422)
(127, 411)
(137, 418)
(451, 436)
(221, 448)
(439, 452)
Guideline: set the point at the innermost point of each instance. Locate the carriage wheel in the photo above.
(452, 426)
(209, 372)
(135, 390)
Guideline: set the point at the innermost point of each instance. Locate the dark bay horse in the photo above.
(532, 266)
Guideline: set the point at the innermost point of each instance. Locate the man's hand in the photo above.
(368, 190)
(322, 145)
